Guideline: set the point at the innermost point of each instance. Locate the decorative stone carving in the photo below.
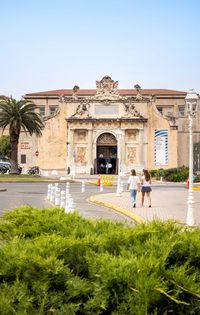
(106, 138)
(81, 156)
(131, 155)
(80, 135)
(106, 89)
(82, 110)
(131, 135)
(61, 98)
(131, 111)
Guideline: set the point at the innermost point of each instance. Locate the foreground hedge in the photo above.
(57, 263)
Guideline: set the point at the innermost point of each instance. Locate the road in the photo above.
(34, 194)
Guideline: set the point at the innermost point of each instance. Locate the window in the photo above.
(160, 109)
(169, 111)
(42, 111)
(181, 110)
(52, 110)
(23, 158)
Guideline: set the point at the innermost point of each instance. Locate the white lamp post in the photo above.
(191, 105)
(119, 133)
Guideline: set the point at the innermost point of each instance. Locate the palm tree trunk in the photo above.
(14, 154)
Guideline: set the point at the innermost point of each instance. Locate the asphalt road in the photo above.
(34, 194)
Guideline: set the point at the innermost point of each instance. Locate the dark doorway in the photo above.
(106, 162)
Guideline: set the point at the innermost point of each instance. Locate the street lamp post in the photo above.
(191, 105)
(119, 134)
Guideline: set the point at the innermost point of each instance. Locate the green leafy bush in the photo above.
(57, 263)
(179, 174)
(197, 178)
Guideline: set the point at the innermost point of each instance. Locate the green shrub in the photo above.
(179, 174)
(153, 173)
(58, 263)
(197, 178)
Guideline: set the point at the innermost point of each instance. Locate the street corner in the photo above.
(132, 215)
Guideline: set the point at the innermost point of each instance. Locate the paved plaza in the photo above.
(167, 204)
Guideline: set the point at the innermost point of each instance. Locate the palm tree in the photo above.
(18, 116)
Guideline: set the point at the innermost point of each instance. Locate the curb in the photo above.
(128, 213)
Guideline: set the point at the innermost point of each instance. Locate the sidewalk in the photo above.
(167, 204)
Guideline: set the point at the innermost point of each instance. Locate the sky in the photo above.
(48, 44)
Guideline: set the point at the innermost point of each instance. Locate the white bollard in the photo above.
(52, 197)
(57, 196)
(62, 199)
(67, 196)
(49, 192)
(101, 187)
(68, 201)
(67, 188)
(72, 206)
(83, 186)
(122, 186)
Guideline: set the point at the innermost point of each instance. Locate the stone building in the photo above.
(96, 130)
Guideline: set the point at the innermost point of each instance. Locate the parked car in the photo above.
(4, 167)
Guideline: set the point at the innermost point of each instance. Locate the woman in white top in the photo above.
(133, 186)
(146, 187)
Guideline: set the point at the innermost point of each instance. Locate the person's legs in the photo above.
(142, 201)
(135, 193)
(132, 196)
(149, 198)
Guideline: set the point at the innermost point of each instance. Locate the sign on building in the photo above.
(161, 147)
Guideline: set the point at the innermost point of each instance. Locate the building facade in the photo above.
(96, 131)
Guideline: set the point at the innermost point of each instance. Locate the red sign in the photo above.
(36, 153)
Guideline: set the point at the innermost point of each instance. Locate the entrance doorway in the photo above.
(106, 161)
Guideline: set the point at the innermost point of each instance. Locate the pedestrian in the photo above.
(146, 187)
(133, 186)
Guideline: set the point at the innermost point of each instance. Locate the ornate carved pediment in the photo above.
(131, 111)
(82, 110)
(107, 89)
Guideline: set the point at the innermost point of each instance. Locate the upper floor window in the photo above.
(181, 110)
(41, 111)
(52, 109)
(169, 111)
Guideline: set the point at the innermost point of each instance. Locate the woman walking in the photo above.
(133, 186)
(146, 187)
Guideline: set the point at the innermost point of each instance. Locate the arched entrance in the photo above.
(106, 161)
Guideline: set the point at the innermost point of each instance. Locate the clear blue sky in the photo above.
(48, 44)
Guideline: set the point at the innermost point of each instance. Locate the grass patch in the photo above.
(29, 178)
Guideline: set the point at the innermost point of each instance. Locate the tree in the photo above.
(18, 116)
(5, 147)
(76, 88)
(137, 87)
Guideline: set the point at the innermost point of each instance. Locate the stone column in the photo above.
(142, 148)
(70, 142)
(90, 150)
(123, 152)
